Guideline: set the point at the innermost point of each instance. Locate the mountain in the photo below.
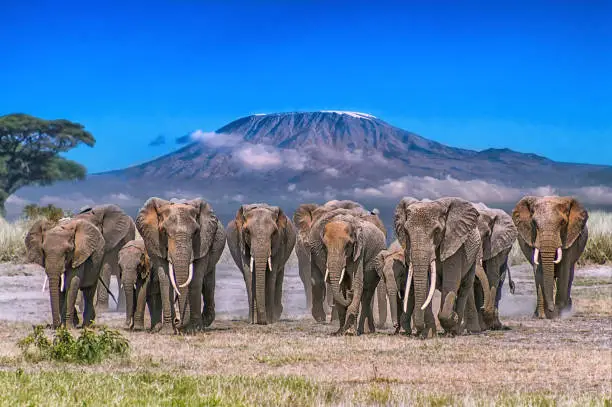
(288, 158)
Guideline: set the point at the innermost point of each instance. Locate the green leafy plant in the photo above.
(92, 346)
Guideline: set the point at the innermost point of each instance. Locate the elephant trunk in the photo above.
(128, 288)
(54, 294)
(180, 272)
(336, 268)
(550, 242)
(392, 293)
(420, 265)
(260, 261)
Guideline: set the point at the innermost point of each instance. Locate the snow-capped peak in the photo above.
(260, 114)
(358, 115)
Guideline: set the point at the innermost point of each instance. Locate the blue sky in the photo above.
(533, 76)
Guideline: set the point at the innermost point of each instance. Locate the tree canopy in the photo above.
(30, 150)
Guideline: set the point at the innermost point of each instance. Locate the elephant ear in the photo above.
(239, 221)
(34, 241)
(522, 218)
(88, 242)
(285, 229)
(461, 221)
(576, 221)
(147, 223)
(503, 235)
(209, 223)
(303, 219)
(116, 226)
(399, 219)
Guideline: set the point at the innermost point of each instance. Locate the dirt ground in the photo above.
(567, 359)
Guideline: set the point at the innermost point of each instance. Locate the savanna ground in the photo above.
(296, 361)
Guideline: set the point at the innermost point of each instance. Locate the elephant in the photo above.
(497, 234)
(552, 234)
(345, 244)
(184, 240)
(118, 228)
(71, 254)
(441, 236)
(261, 239)
(140, 286)
(303, 218)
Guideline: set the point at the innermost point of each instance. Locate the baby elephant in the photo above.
(139, 285)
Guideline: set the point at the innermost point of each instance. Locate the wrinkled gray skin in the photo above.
(314, 286)
(73, 249)
(140, 287)
(118, 228)
(340, 240)
(179, 236)
(441, 233)
(497, 234)
(552, 226)
(264, 234)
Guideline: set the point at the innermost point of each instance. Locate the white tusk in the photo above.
(252, 263)
(270, 262)
(134, 286)
(189, 277)
(326, 275)
(62, 282)
(172, 280)
(45, 283)
(408, 283)
(342, 275)
(177, 310)
(536, 256)
(432, 285)
(559, 256)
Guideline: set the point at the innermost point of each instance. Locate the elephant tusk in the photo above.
(189, 277)
(326, 275)
(536, 256)
(342, 275)
(252, 264)
(270, 262)
(408, 283)
(432, 285)
(45, 283)
(62, 280)
(172, 279)
(559, 256)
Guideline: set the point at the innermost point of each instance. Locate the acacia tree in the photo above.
(30, 148)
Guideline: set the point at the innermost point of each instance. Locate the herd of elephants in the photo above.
(450, 244)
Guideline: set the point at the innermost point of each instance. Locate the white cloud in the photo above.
(238, 198)
(259, 156)
(475, 190)
(16, 200)
(332, 172)
(216, 139)
(291, 187)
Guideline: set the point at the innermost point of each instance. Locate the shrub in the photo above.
(89, 348)
(51, 212)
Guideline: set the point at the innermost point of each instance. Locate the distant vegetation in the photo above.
(51, 212)
(30, 148)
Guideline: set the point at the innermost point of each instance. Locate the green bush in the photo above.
(89, 348)
(51, 212)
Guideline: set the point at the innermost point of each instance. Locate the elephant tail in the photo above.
(107, 289)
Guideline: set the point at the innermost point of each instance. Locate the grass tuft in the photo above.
(89, 348)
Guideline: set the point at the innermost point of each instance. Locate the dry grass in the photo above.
(12, 235)
(297, 362)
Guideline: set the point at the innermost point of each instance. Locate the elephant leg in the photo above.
(278, 294)
(73, 281)
(89, 314)
(366, 312)
(105, 275)
(341, 319)
(451, 281)
(140, 301)
(193, 322)
(329, 301)
(208, 293)
(563, 289)
(304, 271)
(430, 323)
(406, 317)
(472, 316)
(381, 295)
(318, 294)
(270, 292)
(540, 311)
(121, 294)
(154, 303)
(166, 300)
(467, 286)
(248, 281)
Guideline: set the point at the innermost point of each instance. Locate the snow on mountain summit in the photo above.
(357, 115)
